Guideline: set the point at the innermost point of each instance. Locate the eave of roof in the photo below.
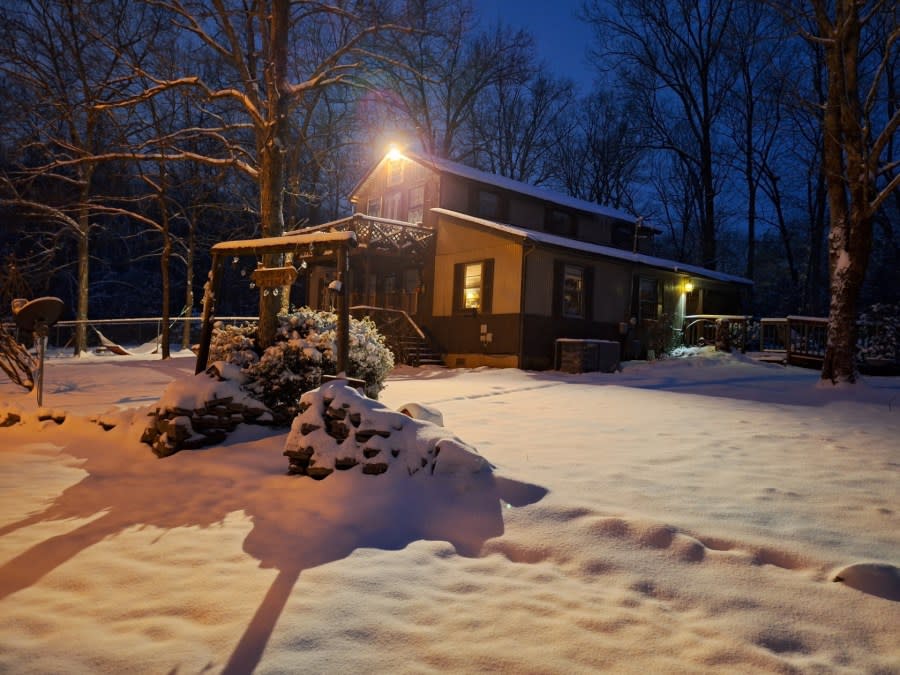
(594, 249)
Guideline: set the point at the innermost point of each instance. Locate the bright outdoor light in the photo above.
(394, 153)
(688, 285)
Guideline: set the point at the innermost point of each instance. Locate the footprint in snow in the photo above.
(878, 579)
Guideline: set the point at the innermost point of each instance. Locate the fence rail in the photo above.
(130, 331)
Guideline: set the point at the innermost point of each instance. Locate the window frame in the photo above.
(485, 287)
(577, 272)
(646, 300)
(376, 202)
(560, 222)
(392, 201)
(493, 213)
(394, 174)
(415, 211)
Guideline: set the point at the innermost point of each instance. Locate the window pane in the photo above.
(373, 207)
(648, 295)
(488, 204)
(573, 291)
(394, 172)
(392, 206)
(472, 278)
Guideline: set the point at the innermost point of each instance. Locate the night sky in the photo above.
(561, 39)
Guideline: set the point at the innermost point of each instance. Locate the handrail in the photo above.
(408, 318)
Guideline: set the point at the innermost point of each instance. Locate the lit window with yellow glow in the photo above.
(472, 286)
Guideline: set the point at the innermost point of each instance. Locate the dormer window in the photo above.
(487, 204)
(560, 222)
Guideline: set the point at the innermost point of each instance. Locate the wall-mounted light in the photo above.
(688, 285)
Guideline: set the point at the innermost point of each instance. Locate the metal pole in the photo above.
(40, 334)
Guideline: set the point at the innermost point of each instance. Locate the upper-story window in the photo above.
(649, 298)
(373, 207)
(416, 209)
(395, 171)
(487, 204)
(560, 222)
(419, 172)
(573, 291)
(392, 205)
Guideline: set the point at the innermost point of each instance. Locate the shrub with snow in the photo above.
(879, 334)
(304, 350)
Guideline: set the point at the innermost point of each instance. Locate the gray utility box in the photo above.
(585, 356)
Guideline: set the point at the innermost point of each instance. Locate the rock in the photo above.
(10, 419)
(321, 441)
(375, 469)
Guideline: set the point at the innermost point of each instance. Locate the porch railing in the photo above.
(807, 339)
(700, 329)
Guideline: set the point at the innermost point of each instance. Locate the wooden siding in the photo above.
(460, 244)
(612, 284)
(376, 187)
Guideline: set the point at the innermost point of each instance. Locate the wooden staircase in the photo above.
(403, 336)
(419, 352)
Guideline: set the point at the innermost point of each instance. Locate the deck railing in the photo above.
(700, 329)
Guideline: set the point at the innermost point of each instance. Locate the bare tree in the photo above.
(756, 37)
(597, 150)
(859, 40)
(449, 66)
(674, 53)
(57, 51)
(512, 130)
(251, 43)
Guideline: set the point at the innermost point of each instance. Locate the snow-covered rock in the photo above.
(339, 429)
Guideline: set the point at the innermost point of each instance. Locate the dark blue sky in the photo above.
(560, 38)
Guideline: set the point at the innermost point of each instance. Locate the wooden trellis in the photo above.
(307, 245)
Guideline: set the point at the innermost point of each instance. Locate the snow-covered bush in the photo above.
(305, 349)
(879, 334)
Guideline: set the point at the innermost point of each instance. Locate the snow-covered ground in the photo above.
(687, 515)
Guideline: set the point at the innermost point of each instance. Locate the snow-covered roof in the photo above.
(594, 249)
(272, 244)
(455, 168)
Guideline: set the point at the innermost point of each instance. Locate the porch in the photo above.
(387, 266)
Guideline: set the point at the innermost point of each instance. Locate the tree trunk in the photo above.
(848, 181)
(84, 261)
(272, 144)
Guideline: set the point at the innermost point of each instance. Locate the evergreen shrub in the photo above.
(305, 349)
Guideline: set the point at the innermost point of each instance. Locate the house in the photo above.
(495, 272)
